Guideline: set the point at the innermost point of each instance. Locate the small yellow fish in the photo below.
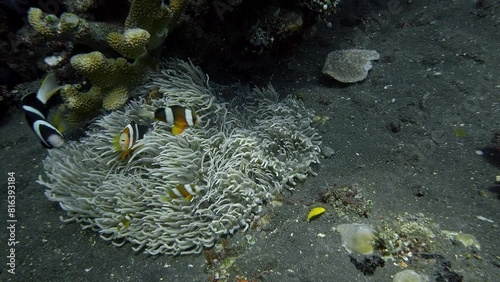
(315, 212)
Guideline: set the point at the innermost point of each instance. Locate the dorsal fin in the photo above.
(49, 86)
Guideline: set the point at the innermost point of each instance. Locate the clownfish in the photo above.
(35, 109)
(186, 191)
(126, 140)
(176, 116)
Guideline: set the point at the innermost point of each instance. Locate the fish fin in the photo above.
(176, 129)
(48, 134)
(50, 85)
(136, 146)
(58, 121)
(197, 119)
(125, 154)
(189, 198)
(164, 198)
(116, 143)
(145, 113)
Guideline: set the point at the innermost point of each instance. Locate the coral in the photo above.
(146, 26)
(107, 73)
(347, 200)
(275, 27)
(153, 16)
(408, 236)
(67, 25)
(349, 66)
(80, 106)
(131, 44)
(247, 150)
(112, 77)
(82, 101)
(357, 238)
(83, 6)
(322, 8)
(115, 98)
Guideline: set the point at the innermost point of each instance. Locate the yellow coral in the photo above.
(82, 101)
(115, 99)
(41, 25)
(106, 73)
(49, 25)
(176, 9)
(89, 64)
(143, 13)
(80, 106)
(131, 44)
(69, 22)
(155, 17)
(147, 25)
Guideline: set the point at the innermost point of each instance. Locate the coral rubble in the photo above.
(246, 151)
(408, 236)
(347, 201)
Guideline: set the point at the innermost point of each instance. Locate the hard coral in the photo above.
(131, 44)
(146, 26)
(49, 25)
(113, 77)
(153, 16)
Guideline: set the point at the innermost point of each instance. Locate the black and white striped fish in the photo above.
(176, 116)
(125, 141)
(35, 110)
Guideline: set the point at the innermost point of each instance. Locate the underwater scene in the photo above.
(250, 141)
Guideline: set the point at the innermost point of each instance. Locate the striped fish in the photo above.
(178, 117)
(186, 191)
(126, 140)
(35, 110)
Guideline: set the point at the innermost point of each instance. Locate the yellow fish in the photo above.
(315, 212)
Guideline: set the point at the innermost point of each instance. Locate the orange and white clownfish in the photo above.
(125, 141)
(35, 109)
(176, 116)
(186, 191)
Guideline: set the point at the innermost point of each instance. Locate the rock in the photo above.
(349, 66)
(409, 276)
(327, 152)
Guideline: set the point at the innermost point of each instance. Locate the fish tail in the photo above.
(197, 119)
(116, 143)
(176, 130)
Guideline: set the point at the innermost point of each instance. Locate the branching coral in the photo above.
(146, 26)
(238, 159)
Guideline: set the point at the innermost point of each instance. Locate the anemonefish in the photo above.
(177, 116)
(35, 110)
(125, 141)
(186, 191)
